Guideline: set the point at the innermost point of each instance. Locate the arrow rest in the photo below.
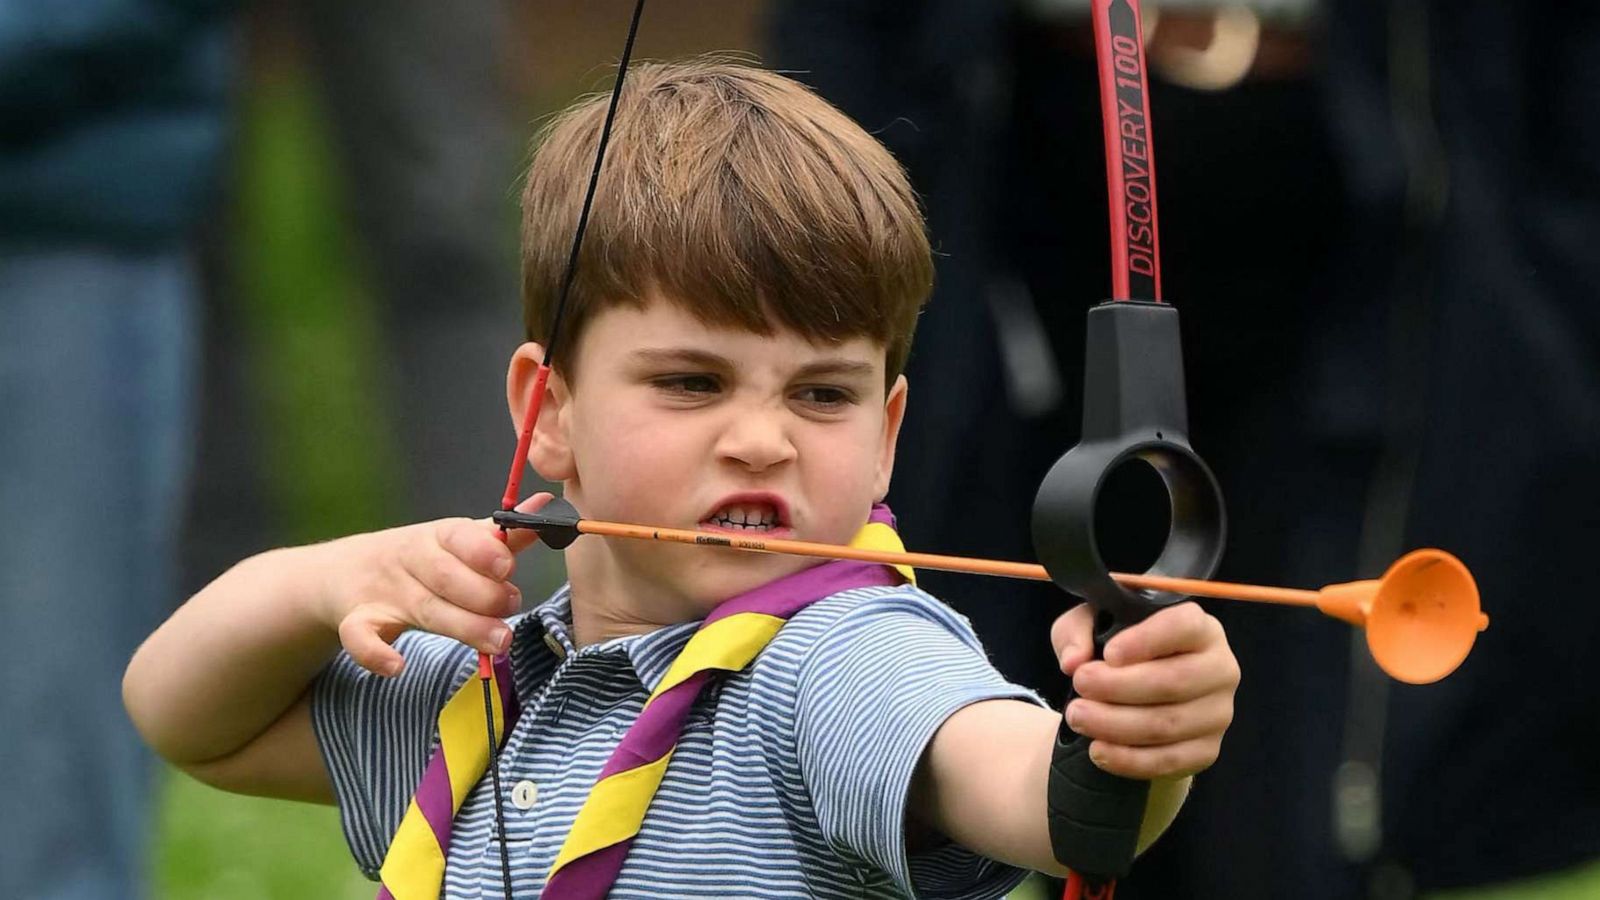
(1133, 408)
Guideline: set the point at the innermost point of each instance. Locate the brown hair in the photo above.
(735, 192)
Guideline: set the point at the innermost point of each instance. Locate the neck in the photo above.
(610, 601)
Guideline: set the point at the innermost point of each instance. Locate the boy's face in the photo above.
(672, 422)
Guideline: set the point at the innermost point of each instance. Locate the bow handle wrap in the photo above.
(1133, 409)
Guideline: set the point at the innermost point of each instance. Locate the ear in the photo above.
(549, 452)
(894, 412)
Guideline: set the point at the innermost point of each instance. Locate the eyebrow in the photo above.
(834, 367)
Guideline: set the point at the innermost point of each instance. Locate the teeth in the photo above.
(753, 517)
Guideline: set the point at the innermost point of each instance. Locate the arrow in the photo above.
(1421, 617)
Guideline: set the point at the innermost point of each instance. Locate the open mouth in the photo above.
(747, 514)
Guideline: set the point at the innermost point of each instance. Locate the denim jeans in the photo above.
(97, 373)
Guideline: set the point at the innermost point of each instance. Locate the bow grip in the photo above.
(1133, 409)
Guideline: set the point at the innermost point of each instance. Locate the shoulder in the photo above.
(869, 642)
(853, 625)
(880, 670)
(861, 616)
(900, 602)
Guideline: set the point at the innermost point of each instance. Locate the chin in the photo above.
(733, 572)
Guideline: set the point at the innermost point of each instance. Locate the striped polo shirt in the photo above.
(790, 779)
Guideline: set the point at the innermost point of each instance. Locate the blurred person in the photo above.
(1452, 390)
(113, 124)
(425, 123)
(416, 98)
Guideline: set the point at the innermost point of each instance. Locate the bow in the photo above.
(1133, 409)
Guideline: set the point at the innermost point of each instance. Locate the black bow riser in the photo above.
(1133, 408)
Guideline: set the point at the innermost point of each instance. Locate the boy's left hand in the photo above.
(1158, 703)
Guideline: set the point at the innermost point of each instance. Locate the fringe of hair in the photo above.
(736, 193)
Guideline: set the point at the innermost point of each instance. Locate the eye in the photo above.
(692, 385)
(825, 397)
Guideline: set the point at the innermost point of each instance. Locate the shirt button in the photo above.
(555, 645)
(525, 795)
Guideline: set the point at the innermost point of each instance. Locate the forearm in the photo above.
(983, 782)
(985, 779)
(233, 658)
(1166, 798)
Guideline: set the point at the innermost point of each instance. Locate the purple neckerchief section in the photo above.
(659, 725)
(433, 797)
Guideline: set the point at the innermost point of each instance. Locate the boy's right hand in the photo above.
(449, 577)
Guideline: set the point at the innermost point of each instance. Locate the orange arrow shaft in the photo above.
(1003, 568)
(822, 551)
(1224, 590)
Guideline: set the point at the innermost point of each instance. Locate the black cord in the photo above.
(494, 774)
(594, 181)
(549, 355)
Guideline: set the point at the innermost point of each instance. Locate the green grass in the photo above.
(215, 845)
(1579, 883)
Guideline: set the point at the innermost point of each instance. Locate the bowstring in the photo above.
(518, 461)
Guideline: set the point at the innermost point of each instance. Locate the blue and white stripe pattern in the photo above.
(790, 779)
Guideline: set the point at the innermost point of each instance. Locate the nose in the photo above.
(756, 438)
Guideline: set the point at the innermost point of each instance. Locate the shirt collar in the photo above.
(544, 638)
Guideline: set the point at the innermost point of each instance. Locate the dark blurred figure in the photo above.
(430, 142)
(1447, 394)
(1375, 238)
(1454, 387)
(417, 98)
(113, 122)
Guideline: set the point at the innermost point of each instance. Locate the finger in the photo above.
(1177, 629)
(520, 539)
(486, 634)
(1151, 726)
(361, 634)
(477, 547)
(439, 571)
(1149, 763)
(1175, 679)
(1072, 636)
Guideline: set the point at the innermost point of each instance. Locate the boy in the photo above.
(730, 361)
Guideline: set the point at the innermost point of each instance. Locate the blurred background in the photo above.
(258, 283)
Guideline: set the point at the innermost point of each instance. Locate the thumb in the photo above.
(520, 539)
(1072, 636)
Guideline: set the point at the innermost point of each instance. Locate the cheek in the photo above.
(840, 479)
(627, 460)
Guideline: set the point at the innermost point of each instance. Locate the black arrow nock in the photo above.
(556, 522)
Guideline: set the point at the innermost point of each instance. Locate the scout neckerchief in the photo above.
(729, 638)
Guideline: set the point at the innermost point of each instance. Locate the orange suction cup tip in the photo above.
(1424, 617)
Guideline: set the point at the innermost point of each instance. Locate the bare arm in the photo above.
(220, 688)
(983, 781)
(234, 658)
(1155, 709)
